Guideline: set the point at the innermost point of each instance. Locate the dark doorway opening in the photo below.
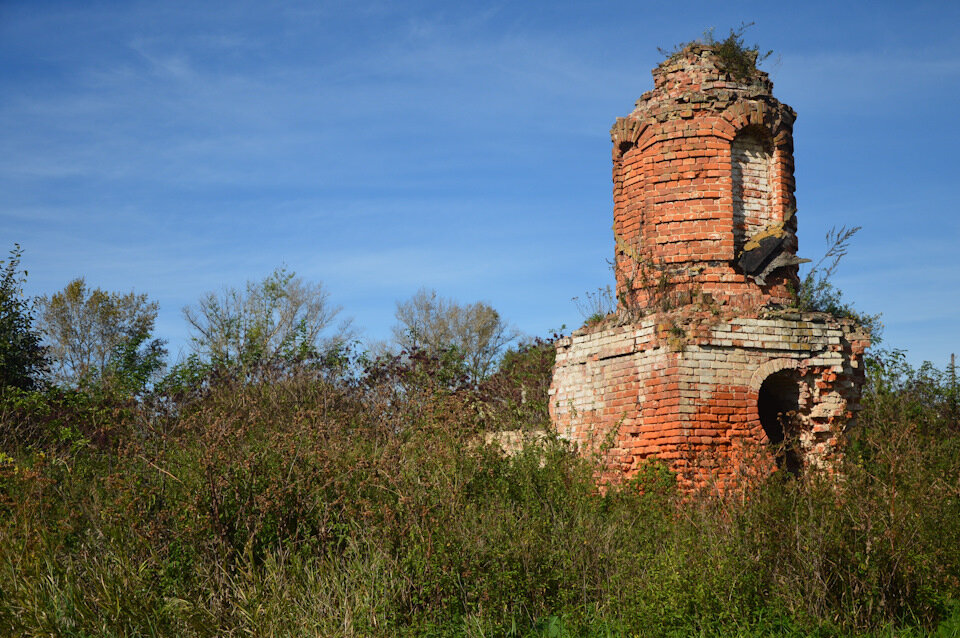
(778, 405)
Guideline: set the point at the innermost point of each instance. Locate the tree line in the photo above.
(83, 336)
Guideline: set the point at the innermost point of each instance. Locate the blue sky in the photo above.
(174, 148)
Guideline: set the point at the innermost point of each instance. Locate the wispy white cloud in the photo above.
(381, 147)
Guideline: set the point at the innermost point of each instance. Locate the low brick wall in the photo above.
(641, 390)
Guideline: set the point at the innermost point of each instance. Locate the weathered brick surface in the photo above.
(703, 162)
(631, 392)
(702, 172)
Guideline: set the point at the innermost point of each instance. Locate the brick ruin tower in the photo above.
(706, 364)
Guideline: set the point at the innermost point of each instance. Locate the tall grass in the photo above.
(368, 505)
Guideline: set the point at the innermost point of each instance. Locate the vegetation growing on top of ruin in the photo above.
(736, 57)
(595, 307)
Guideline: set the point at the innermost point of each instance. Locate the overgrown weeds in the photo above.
(594, 307)
(367, 505)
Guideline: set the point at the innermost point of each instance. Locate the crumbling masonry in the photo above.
(705, 364)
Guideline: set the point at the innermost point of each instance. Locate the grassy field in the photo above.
(359, 501)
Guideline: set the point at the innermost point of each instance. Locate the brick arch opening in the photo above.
(778, 404)
(751, 159)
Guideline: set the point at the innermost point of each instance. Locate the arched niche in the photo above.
(751, 159)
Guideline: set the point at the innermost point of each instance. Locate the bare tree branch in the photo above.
(429, 322)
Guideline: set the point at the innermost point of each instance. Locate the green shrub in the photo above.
(23, 359)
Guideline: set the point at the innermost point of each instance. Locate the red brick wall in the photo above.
(702, 164)
(641, 390)
(675, 201)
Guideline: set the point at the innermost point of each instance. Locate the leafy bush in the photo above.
(23, 360)
(516, 396)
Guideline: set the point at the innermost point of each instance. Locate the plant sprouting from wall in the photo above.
(595, 306)
(817, 293)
